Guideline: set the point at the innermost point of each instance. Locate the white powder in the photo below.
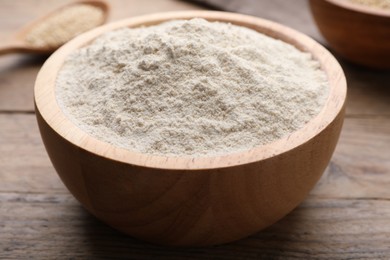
(190, 88)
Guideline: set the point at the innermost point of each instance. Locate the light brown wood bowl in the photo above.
(185, 200)
(358, 33)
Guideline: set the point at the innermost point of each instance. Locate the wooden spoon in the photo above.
(48, 33)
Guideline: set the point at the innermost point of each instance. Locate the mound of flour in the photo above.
(190, 88)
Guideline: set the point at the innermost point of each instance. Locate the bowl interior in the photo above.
(46, 103)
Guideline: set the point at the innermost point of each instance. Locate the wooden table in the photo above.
(346, 216)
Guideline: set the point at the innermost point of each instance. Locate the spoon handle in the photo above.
(10, 48)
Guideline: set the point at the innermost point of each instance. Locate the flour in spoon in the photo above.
(194, 88)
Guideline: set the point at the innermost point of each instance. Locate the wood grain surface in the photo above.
(347, 215)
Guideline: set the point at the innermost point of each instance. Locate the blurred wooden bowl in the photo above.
(358, 33)
(184, 200)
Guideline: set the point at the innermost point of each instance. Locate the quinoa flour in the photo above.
(192, 87)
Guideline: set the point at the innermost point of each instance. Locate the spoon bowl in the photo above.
(18, 42)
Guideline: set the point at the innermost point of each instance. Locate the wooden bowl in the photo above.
(184, 200)
(358, 33)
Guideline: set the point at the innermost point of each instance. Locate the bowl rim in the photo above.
(369, 10)
(47, 106)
